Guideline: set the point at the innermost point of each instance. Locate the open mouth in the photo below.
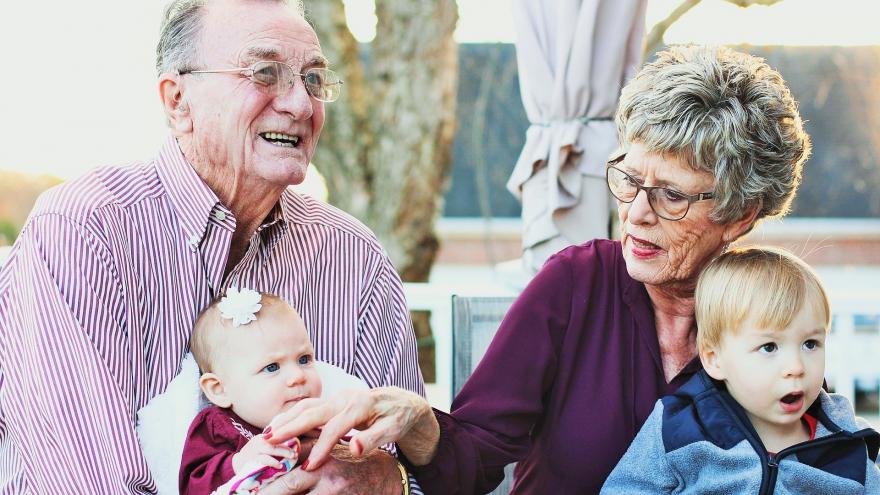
(792, 402)
(642, 244)
(281, 139)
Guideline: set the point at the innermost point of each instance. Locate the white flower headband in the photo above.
(240, 306)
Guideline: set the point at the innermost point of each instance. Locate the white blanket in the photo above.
(164, 421)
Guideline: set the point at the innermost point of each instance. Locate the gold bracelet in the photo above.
(404, 478)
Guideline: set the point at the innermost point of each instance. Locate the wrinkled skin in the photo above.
(666, 255)
(685, 246)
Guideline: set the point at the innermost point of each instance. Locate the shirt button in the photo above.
(219, 215)
(194, 240)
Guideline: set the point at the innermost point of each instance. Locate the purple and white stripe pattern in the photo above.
(102, 287)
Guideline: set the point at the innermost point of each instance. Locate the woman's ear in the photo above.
(711, 363)
(734, 230)
(174, 103)
(214, 390)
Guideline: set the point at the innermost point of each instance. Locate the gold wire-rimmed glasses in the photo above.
(277, 78)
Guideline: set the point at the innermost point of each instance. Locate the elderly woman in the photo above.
(711, 142)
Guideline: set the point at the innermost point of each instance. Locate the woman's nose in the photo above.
(640, 210)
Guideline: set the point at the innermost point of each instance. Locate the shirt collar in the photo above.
(191, 198)
(195, 202)
(276, 217)
(286, 210)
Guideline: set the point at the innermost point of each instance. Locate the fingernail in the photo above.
(305, 465)
(267, 435)
(358, 446)
(267, 430)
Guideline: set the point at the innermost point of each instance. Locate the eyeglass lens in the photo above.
(668, 203)
(322, 84)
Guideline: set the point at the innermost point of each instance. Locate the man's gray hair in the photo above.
(726, 113)
(177, 49)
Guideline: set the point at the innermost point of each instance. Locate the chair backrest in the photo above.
(474, 323)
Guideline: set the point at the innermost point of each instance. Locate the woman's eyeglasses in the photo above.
(667, 203)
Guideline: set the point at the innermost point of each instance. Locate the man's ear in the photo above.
(712, 363)
(213, 389)
(174, 104)
(734, 230)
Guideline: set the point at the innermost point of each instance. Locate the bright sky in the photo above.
(79, 89)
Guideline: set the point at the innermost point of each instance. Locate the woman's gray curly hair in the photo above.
(726, 113)
(177, 49)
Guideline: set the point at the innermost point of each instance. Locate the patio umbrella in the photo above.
(574, 56)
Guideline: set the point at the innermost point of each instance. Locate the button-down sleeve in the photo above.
(66, 385)
(494, 414)
(386, 354)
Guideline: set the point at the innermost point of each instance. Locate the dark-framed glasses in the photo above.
(277, 78)
(666, 202)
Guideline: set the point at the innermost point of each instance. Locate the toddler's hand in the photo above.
(263, 453)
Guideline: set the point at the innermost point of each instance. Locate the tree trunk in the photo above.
(387, 144)
(386, 149)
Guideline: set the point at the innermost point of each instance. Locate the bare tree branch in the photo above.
(654, 40)
(749, 3)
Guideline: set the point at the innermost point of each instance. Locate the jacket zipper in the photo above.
(768, 486)
(770, 463)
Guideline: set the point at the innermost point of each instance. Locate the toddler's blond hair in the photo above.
(765, 283)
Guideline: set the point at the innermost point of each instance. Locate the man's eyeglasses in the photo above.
(277, 78)
(667, 203)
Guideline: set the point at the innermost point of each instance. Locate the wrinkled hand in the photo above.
(383, 415)
(264, 453)
(374, 474)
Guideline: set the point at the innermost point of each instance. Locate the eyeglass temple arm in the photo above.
(240, 69)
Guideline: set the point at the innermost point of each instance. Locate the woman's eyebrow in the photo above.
(658, 182)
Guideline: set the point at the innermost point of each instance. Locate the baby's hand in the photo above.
(263, 453)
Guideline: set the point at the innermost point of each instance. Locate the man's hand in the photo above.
(373, 474)
(260, 452)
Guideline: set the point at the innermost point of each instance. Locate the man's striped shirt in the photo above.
(101, 290)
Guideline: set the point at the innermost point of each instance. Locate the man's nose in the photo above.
(295, 101)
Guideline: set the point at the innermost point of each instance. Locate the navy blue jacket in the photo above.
(699, 440)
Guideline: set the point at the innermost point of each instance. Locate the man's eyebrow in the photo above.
(263, 53)
(317, 61)
(272, 53)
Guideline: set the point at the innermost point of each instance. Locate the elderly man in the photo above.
(101, 289)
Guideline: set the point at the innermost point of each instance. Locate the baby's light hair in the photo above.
(210, 327)
(767, 284)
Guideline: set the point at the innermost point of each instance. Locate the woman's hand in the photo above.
(383, 415)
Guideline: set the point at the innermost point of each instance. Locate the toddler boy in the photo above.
(756, 420)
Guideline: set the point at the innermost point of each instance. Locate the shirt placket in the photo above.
(215, 248)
